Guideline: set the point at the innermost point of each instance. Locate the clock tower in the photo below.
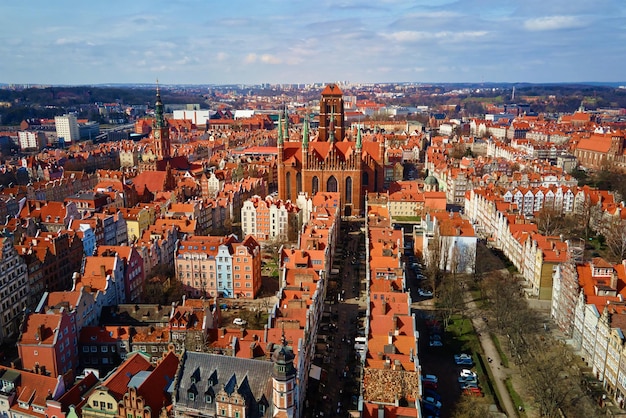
(160, 130)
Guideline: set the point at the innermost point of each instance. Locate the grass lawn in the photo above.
(517, 400)
(503, 357)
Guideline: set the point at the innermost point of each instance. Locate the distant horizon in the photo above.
(187, 42)
(468, 83)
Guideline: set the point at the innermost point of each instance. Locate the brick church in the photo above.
(330, 161)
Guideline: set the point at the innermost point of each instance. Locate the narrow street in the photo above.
(339, 388)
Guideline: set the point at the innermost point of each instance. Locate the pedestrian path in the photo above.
(498, 371)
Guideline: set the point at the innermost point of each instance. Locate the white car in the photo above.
(239, 321)
(425, 293)
(467, 373)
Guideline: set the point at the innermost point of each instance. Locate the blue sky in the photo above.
(293, 41)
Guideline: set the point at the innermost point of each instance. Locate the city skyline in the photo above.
(278, 41)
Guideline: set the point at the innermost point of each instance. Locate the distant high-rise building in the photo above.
(67, 128)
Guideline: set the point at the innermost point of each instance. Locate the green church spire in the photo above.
(305, 132)
(158, 109)
(331, 134)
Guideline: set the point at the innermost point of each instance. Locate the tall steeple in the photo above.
(158, 109)
(286, 124)
(331, 128)
(279, 140)
(160, 129)
(359, 140)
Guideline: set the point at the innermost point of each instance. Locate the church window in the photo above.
(331, 184)
(315, 185)
(348, 190)
(288, 185)
(298, 182)
(366, 179)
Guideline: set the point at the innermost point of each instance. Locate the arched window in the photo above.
(288, 185)
(331, 184)
(366, 178)
(298, 183)
(348, 197)
(315, 185)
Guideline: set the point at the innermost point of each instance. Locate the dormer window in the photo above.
(192, 396)
(208, 398)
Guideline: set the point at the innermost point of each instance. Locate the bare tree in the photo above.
(437, 257)
(450, 298)
(553, 378)
(615, 234)
(549, 221)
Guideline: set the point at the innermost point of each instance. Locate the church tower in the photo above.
(284, 381)
(331, 114)
(160, 130)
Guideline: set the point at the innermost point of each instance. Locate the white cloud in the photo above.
(221, 56)
(445, 36)
(252, 58)
(270, 59)
(552, 23)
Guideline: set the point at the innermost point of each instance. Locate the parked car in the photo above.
(430, 385)
(463, 359)
(430, 378)
(239, 321)
(425, 293)
(433, 394)
(468, 385)
(432, 401)
(468, 379)
(419, 276)
(435, 343)
(467, 373)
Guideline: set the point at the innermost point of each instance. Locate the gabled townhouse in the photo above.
(69, 404)
(60, 255)
(133, 269)
(48, 343)
(137, 220)
(104, 399)
(27, 394)
(192, 210)
(149, 393)
(106, 275)
(109, 222)
(80, 301)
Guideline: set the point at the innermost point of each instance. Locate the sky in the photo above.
(80, 42)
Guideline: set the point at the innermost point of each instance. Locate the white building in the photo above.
(31, 140)
(67, 128)
(197, 117)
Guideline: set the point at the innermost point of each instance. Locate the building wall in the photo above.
(14, 291)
